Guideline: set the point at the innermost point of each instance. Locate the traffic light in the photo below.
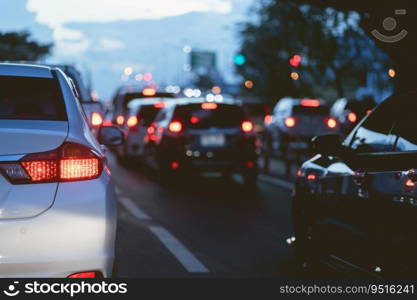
(239, 60)
(295, 60)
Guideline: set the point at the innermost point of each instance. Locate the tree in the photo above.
(18, 46)
(336, 53)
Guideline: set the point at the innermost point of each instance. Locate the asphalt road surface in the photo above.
(201, 226)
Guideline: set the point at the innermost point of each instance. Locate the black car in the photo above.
(196, 135)
(355, 202)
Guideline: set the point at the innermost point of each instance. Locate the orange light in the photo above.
(216, 90)
(294, 76)
(311, 177)
(249, 84)
(247, 126)
(410, 184)
(290, 122)
(149, 92)
(331, 123)
(352, 117)
(96, 119)
(175, 165)
(368, 111)
(120, 120)
(209, 105)
(175, 127)
(268, 119)
(159, 105)
(132, 121)
(79, 168)
(85, 275)
(391, 73)
(310, 102)
(194, 120)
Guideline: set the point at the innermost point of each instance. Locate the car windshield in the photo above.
(29, 98)
(308, 110)
(195, 116)
(147, 113)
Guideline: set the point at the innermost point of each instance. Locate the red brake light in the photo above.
(247, 126)
(209, 105)
(159, 105)
(70, 162)
(175, 127)
(331, 123)
(175, 165)
(268, 119)
(194, 120)
(96, 119)
(311, 177)
(310, 102)
(132, 121)
(290, 122)
(352, 117)
(120, 120)
(85, 275)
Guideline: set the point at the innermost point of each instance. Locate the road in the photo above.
(201, 227)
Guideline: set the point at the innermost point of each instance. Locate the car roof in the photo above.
(25, 70)
(186, 101)
(146, 101)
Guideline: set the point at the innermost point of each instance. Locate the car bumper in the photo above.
(75, 234)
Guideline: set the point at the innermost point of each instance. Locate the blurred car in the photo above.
(126, 94)
(294, 122)
(57, 200)
(141, 114)
(354, 203)
(195, 135)
(348, 113)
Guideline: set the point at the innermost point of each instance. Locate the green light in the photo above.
(240, 59)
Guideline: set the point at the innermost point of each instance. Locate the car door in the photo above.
(355, 189)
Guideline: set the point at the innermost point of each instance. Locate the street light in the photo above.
(391, 73)
(294, 76)
(249, 84)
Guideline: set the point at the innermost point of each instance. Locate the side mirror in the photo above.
(110, 136)
(327, 144)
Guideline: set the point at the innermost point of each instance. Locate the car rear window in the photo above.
(308, 110)
(147, 113)
(194, 116)
(30, 98)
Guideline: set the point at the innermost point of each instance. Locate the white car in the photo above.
(57, 201)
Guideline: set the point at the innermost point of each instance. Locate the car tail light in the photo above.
(268, 119)
(209, 105)
(86, 275)
(194, 120)
(247, 126)
(331, 123)
(159, 105)
(175, 127)
(290, 122)
(250, 165)
(132, 121)
(96, 119)
(368, 111)
(70, 162)
(310, 102)
(311, 177)
(149, 92)
(352, 117)
(120, 120)
(175, 165)
(410, 183)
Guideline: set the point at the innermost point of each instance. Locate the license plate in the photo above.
(212, 140)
